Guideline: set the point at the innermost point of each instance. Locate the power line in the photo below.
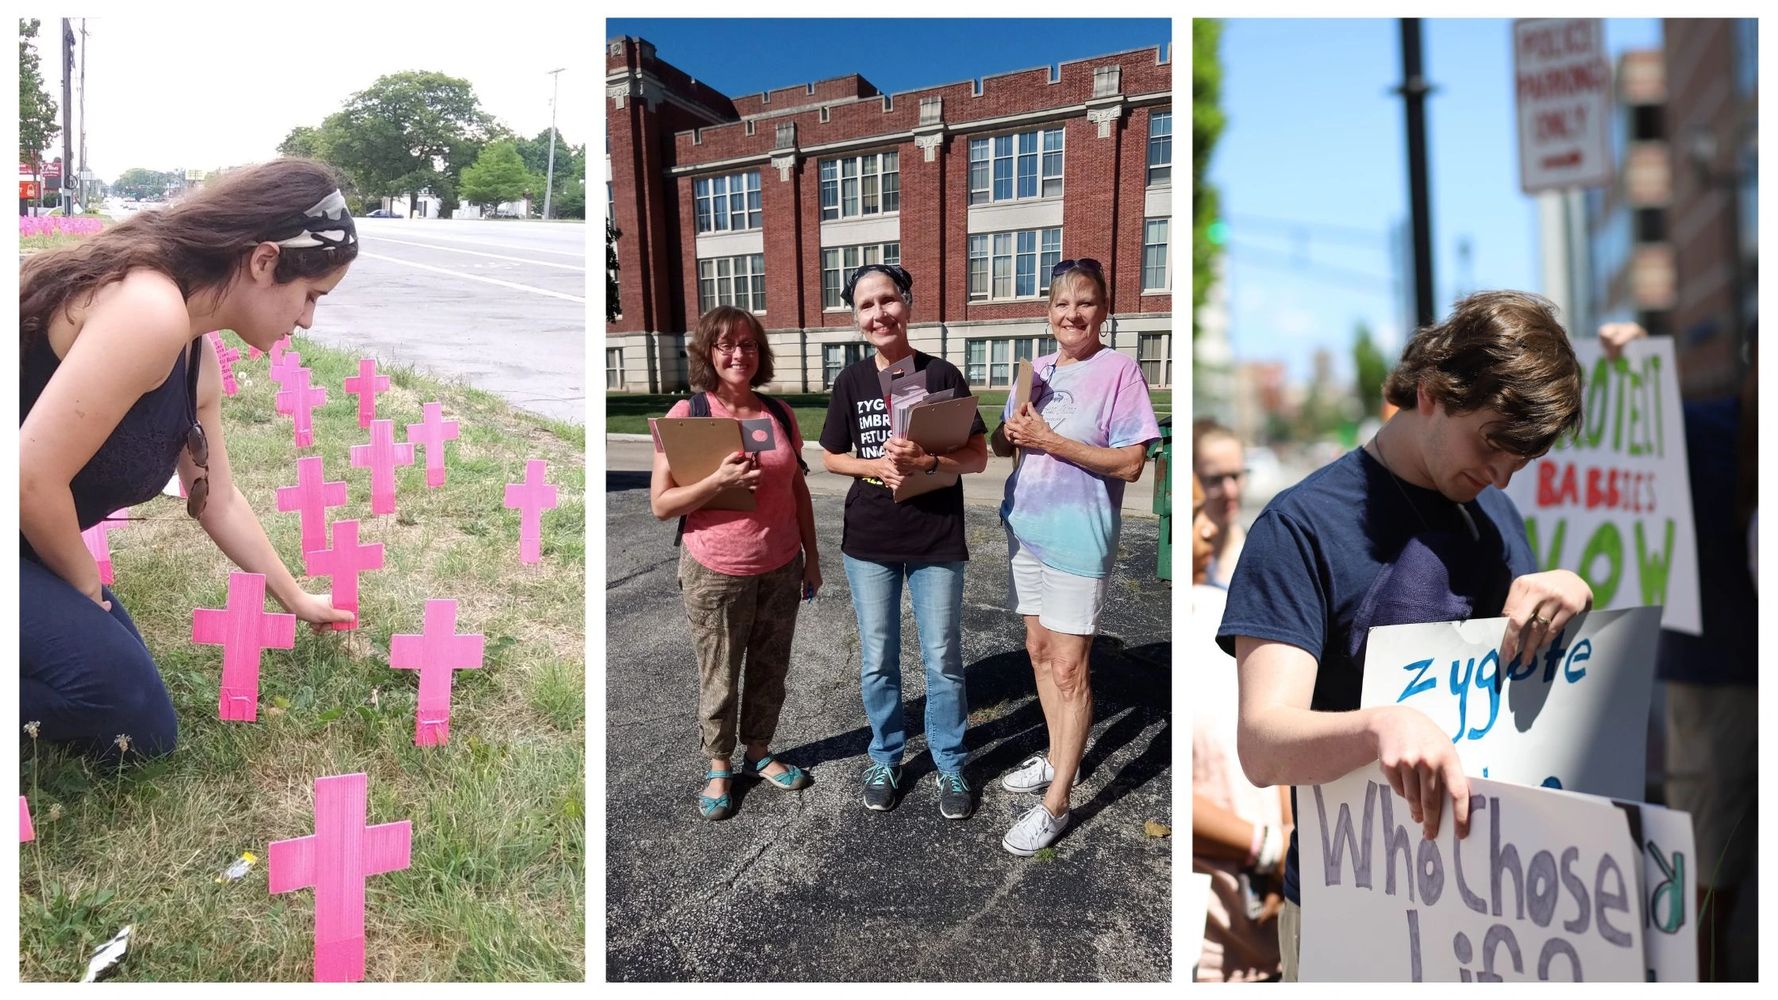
(1274, 260)
(1329, 232)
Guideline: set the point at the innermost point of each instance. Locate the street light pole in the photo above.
(549, 183)
(1413, 91)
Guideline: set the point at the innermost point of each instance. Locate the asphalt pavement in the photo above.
(499, 305)
(811, 886)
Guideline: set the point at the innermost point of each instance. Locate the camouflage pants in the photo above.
(736, 618)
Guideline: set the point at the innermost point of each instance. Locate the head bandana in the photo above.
(327, 224)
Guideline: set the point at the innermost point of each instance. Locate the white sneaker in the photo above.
(1034, 831)
(1033, 774)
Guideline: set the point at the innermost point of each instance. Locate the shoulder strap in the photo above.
(192, 362)
(781, 412)
(700, 407)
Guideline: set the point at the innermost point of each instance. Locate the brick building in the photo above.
(769, 200)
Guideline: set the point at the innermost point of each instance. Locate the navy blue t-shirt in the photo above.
(1727, 651)
(1350, 548)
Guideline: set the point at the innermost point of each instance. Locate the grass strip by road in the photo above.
(628, 413)
(496, 889)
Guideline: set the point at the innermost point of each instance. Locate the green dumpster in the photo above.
(1162, 453)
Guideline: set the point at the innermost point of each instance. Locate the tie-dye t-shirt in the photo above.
(1066, 516)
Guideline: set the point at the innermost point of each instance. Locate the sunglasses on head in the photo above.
(1083, 264)
(199, 447)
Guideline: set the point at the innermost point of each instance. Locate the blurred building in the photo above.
(768, 201)
(1632, 268)
(1213, 357)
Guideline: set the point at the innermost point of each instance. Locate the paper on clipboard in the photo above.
(695, 446)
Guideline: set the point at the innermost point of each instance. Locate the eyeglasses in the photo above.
(1084, 264)
(744, 347)
(199, 447)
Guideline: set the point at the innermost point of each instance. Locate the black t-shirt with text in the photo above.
(926, 528)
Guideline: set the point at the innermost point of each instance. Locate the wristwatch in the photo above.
(934, 466)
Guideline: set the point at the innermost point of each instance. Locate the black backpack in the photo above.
(700, 407)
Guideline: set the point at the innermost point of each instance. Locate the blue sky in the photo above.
(1313, 173)
(746, 56)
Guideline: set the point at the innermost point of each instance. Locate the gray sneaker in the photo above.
(1034, 831)
(953, 796)
(880, 785)
(1033, 774)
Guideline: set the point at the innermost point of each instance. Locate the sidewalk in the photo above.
(811, 886)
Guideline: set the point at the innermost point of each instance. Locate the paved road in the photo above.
(635, 453)
(813, 887)
(499, 305)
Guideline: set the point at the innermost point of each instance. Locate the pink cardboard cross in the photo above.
(532, 497)
(366, 384)
(242, 631)
(311, 497)
(343, 563)
(302, 403)
(226, 357)
(432, 432)
(283, 375)
(100, 547)
(279, 346)
(437, 654)
(26, 833)
(381, 456)
(335, 860)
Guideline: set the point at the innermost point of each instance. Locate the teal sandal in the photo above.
(720, 807)
(794, 779)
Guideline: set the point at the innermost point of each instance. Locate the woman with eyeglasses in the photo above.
(918, 543)
(1220, 463)
(741, 572)
(117, 389)
(1083, 434)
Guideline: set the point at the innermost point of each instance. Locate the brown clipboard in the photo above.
(939, 428)
(695, 446)
(1021, 394)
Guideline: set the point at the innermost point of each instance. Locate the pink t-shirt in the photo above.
(750, 542)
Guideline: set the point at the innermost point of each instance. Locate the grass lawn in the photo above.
(628, 413)
(496, 890)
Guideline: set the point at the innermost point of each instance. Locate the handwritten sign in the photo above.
(1544, 888)
(1614, 504)
(1669, 892)
(226, 357)
(1574, 717)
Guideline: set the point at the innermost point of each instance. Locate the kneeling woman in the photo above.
(741, 573)
(1085, 433)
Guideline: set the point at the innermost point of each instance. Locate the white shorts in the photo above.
(1061, 601)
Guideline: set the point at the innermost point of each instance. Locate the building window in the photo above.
(991, 362)
(835, 358)
(1013, 265)
(838, 263)
(861, 185)
(729, 203)
(732, 281)
(1160, 148)
(1154, 255)
(1015, 167)
(614, 368)
(1151, 354)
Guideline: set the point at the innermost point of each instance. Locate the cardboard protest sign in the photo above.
(1614, 504)
(1575, 717)
(1669, 892)
(1544, 888)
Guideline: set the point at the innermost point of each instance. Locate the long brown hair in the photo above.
(199, 241)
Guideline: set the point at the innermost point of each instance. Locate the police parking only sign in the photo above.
(1562, 88)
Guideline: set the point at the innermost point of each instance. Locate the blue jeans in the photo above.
(937, 593)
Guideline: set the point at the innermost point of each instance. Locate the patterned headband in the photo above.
(327, 224)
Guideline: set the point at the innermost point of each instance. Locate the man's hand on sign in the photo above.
(1613, 337)
(1538, 607)
(1422, 766)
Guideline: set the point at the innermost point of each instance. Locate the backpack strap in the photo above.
(700, 407)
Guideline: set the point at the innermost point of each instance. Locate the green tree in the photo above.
(1372, 370)
(37, 110)
(407, 131)
(305, 140)
(140, 182)
(497, 175)
(1207, 126)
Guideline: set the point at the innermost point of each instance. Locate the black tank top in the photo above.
(142, 453)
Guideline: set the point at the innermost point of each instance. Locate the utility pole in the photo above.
(549, 182)
(85, 198)
(62, 198)
(1414, 89)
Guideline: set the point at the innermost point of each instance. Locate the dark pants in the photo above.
(85, 675)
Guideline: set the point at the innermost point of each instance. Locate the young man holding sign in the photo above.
(1411, 528)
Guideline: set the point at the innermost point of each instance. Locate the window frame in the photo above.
(740, 200)
(728, 271)
(883, 188)
(998, 162)
(1165, 248)
(848, 258)
(994, 259)
(1160, 173)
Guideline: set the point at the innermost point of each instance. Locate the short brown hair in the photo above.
(711, 326)
(1501, 350)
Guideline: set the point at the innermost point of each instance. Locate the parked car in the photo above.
(381, 213)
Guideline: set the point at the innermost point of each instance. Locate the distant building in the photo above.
(1632, 268)
(769, 201)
